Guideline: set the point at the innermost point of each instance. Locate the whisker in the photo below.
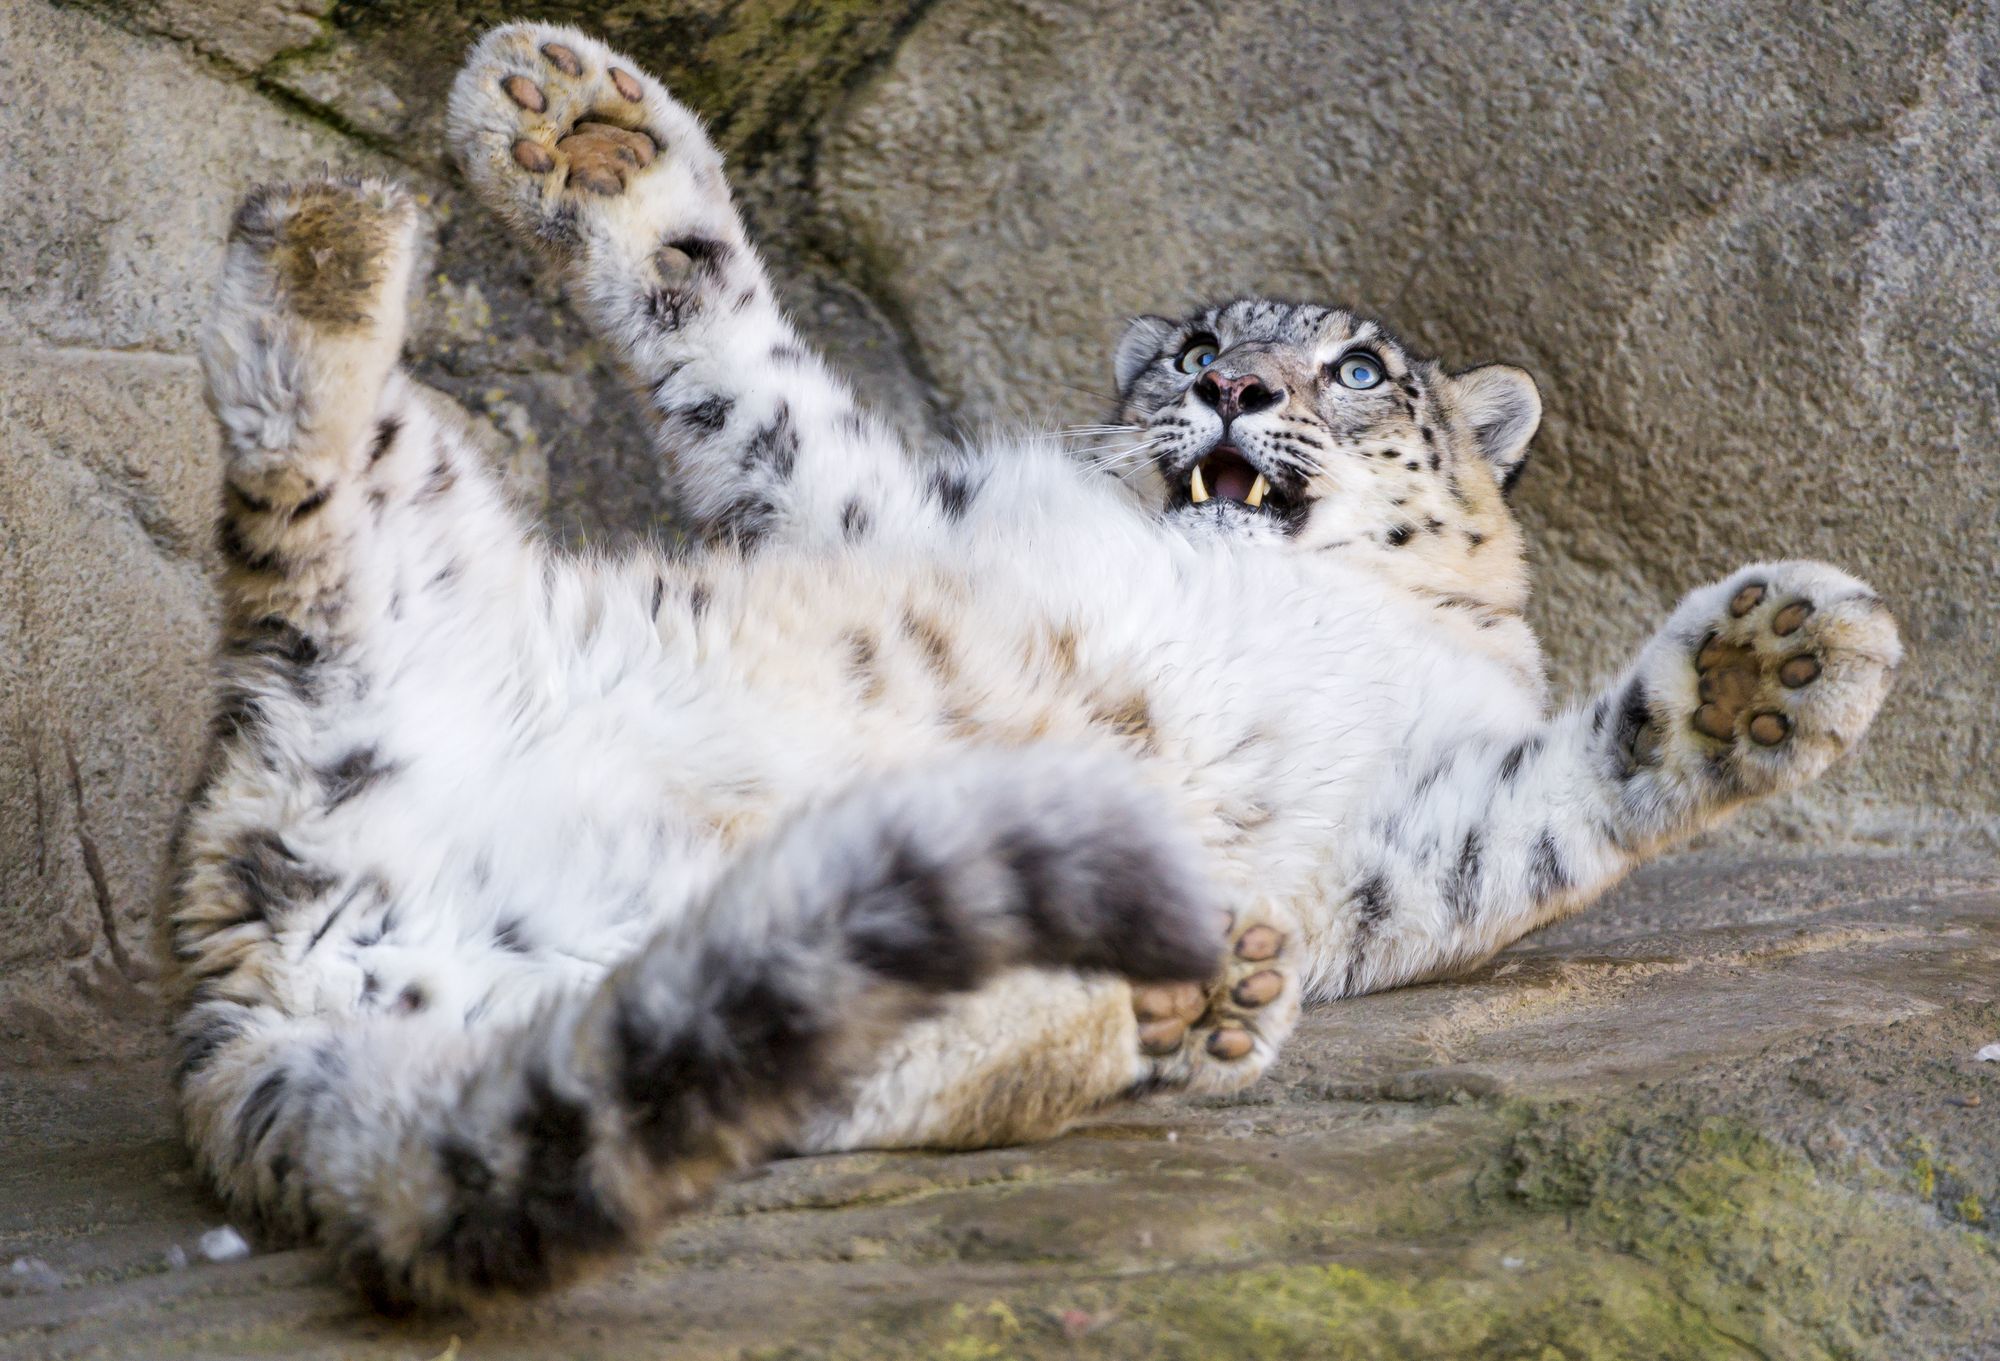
(1155, 442)
(1120, 468)
(1107, 435)
(1121, 447)
(1106, 464)
(1089, 392)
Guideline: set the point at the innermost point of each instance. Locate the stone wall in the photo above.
(1742, 246)
(1745, 248)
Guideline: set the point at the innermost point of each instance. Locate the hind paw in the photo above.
(332, 253)
(306, 328)
(555, 130)
(1221, 1036)
(1768, 676)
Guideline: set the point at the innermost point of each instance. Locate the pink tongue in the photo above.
(1233, 480)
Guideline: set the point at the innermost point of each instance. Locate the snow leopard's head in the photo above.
(1318, 425)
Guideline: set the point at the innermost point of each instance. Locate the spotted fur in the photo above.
(527, 895)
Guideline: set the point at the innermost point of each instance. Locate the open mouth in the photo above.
(1223, 474)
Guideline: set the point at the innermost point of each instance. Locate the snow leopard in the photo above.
(929, 797)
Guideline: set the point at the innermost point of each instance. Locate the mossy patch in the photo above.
(1595, 1232)
(761, 72)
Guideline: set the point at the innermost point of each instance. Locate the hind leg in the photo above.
(343, 481)
(358, 526)
(575, 1135)
(1018, 1061)
(1026, 1057)
(298, 352)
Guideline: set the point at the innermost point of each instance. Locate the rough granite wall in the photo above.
(1742, 246)
(1746, 248)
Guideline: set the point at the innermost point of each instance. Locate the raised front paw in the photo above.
(1221, 1036)
(553, 128)
(1768, 676)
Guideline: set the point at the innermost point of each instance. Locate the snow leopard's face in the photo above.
(1317, 425)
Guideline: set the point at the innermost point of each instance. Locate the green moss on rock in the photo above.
(762, 72)
(1596, 1231)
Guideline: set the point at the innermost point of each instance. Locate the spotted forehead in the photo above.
(1308, 327)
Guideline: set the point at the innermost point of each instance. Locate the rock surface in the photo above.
(1745, 248)
(1733, 1113)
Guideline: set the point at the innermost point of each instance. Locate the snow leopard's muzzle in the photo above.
(1226, 470)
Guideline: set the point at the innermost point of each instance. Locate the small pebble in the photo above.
(1967, 1101)
(1078, 1323)
(177, 1258)
(1990, 1054)
(31, 1276)
(223, 1245)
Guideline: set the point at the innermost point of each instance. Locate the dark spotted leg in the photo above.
(589, 158)
(1754, 686)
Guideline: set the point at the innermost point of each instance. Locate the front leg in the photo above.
(590, 158)
(1753, 687)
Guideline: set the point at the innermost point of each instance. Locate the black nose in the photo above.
(1235, 396)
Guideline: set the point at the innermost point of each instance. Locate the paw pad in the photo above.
(544, 120)
(563, 59)
(1166, 1001)
(1712, 722)
(1747, 599)
(602, 157)
(1787, 620)
(525, 93)
(1230, 1043)
(1259, 943)
(1743, 672)
(1769, 729)
(1799, 671)
(1258, 988)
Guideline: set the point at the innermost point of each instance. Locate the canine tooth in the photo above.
(1196, 488)
(1257, 490)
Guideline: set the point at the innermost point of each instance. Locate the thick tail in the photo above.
(443, 1166)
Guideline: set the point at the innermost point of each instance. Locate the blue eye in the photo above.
(1359, 370)
(1200, 353)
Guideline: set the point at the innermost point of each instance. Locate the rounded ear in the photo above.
(1500, 404)
(1142, 343)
